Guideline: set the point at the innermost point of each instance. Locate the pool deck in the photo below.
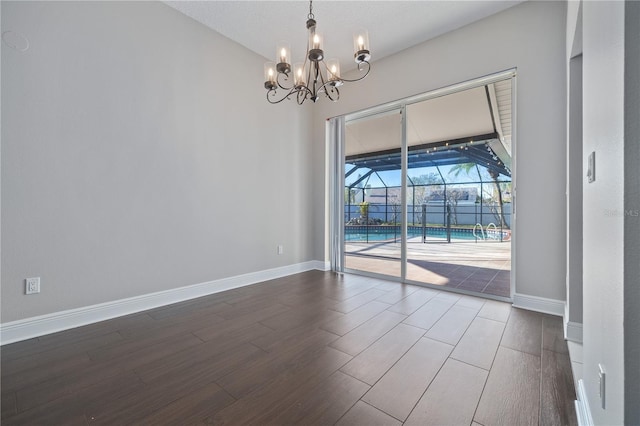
(482, 267)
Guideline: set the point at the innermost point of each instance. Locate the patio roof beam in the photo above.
(363, 177)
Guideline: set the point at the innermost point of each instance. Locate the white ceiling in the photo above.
(458, 115)
(393, 25)
(465, 114)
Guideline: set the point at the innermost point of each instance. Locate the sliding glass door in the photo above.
(425, 189)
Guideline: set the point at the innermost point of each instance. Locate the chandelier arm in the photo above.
(280, 85)
(302, 95)
(360, 66)
(273, 92)
(331, 92)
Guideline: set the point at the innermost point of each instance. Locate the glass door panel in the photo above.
(373, 194)
(459, 191)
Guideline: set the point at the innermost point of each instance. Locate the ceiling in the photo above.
(462, 127)
(393, 25)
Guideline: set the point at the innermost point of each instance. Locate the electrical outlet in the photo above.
(280, 249)
(32, 285)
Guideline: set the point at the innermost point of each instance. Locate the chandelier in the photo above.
(314, 76)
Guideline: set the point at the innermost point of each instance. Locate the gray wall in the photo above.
(531, 37)
(136, 147)
(603, 201)
(632, 221)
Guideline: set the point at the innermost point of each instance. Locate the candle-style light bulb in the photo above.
(361, 46)
(298, 71)
(316, 41)
(269, 76)
(333, 69)
(283, 56)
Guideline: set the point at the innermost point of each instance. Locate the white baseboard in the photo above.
(573, 331)
(322, 266)
(583, 412)
(28, 328)
(539, 304)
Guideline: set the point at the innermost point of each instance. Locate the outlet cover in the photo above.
(280, 249)
(32, 285)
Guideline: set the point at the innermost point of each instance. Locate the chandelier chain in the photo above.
(310, 15)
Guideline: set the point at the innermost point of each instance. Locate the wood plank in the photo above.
(364, 335)
(223, 329)
(255, 312)
(18, 349)
(265, 402)
(480, 343)
(292, 356)
(429, 313)
(448, 296)
(512, 393)
(40, 359)
(191, 408)
(363, 414)
(91, 331)
(7, 405)
(70, 408)
(494, 310)
(214, 367)
(348, 322)
(471, 302)
(349, 286)
(523, 332)
(452, 397)
(558, 392)
(234, 346)
(297, 317)
(399, 292)
(37, 374)
(358, 300)
(278, 340)
(332, 398)
(553, 334)
(452, 325)
(96, 372)
(377, 359)
(412, 302)
(398, 391)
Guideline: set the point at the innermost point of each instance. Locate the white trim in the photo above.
(539, 304)
(583, 412)
(573, 331)
(322, 266)
(50, 323)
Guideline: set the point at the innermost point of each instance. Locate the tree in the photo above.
(462, 167)
(495, 175)
(467, 167)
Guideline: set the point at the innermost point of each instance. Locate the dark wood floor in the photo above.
(313, 348)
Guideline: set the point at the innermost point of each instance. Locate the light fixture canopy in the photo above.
(315, 76)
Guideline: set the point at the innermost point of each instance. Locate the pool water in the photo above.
(384, 235)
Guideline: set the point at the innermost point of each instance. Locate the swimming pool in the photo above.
(392, 233)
